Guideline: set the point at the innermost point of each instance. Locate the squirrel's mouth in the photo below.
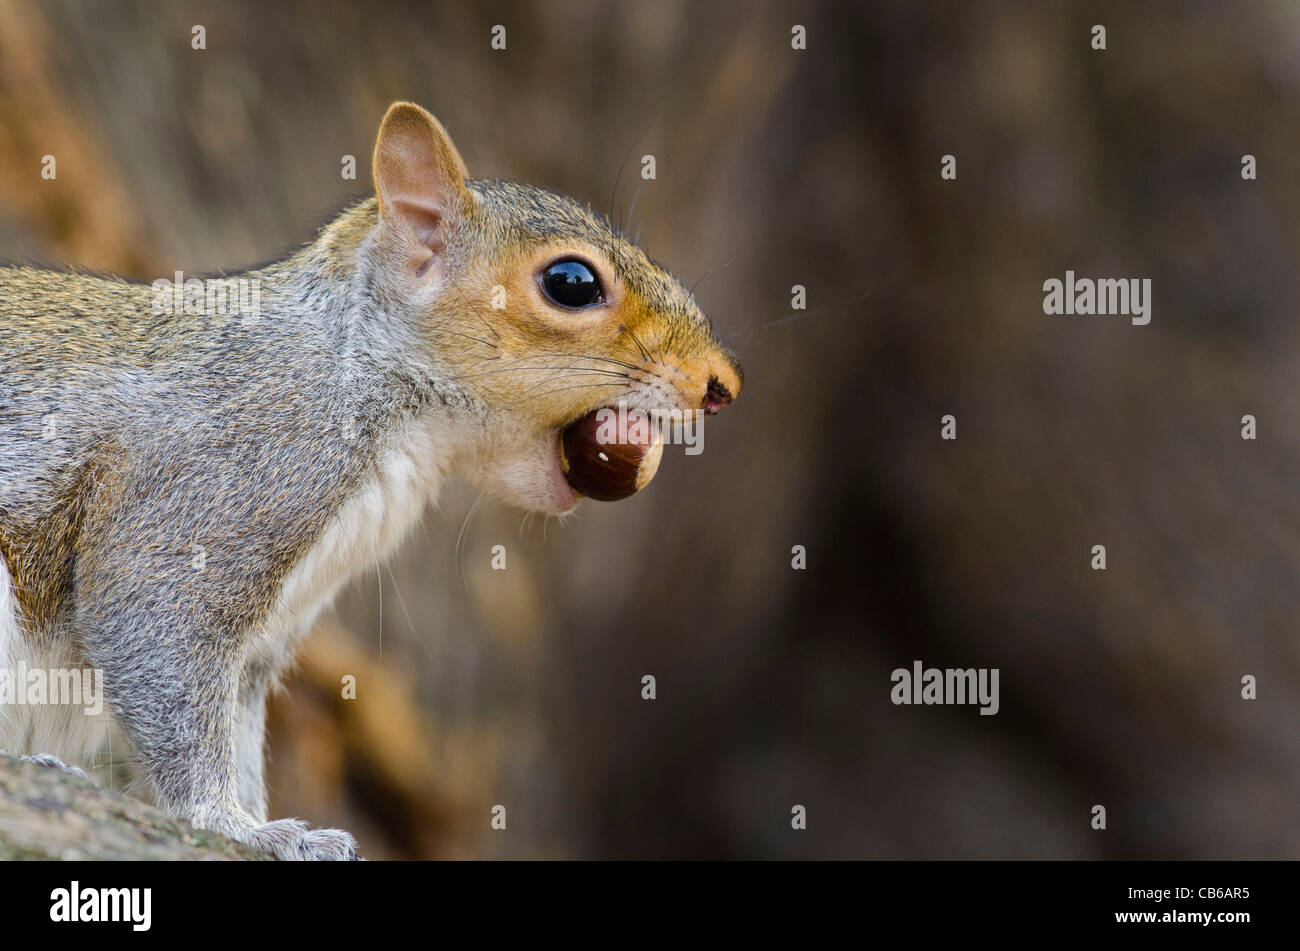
(611, 453)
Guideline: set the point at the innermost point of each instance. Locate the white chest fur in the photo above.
(71, 731)
(366, 529)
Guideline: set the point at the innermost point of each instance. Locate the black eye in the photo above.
(571, 283)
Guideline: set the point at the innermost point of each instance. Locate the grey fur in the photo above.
(218, 432)
(249, 438)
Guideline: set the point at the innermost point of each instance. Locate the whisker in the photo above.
(619, 177)
(632, 209)
(799, 316)
(530, 392)
(645, 354)
(712, 270)
(592, 356)
(460, 553)
(402, 601)
(469, 302)
(444, 330)
(518, 369)
(576, 386)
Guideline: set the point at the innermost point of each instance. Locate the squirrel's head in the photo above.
(536, 306)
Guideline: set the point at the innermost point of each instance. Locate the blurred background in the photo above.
(779, 167)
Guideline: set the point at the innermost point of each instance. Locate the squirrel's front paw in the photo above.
(292, 840)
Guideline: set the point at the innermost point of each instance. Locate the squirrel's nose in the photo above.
(724, 383)
(716, 396)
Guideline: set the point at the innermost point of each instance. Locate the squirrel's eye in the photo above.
(570, 283)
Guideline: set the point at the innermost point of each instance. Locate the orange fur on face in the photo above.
(646, 341)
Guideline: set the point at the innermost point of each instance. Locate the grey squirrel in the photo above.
(181, 495)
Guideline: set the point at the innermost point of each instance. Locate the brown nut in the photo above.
(610, 455)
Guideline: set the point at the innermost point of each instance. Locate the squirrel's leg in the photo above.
(175, 693)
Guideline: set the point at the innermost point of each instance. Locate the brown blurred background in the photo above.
(779, 167)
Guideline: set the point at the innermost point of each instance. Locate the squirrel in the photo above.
(182, 494)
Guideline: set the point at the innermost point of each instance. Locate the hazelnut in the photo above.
(609, 455)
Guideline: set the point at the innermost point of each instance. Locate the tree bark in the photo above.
(49, 814)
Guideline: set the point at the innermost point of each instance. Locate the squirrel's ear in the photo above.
(419, 181)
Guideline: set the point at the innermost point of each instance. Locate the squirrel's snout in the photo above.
(725, 380)
(716, 396)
